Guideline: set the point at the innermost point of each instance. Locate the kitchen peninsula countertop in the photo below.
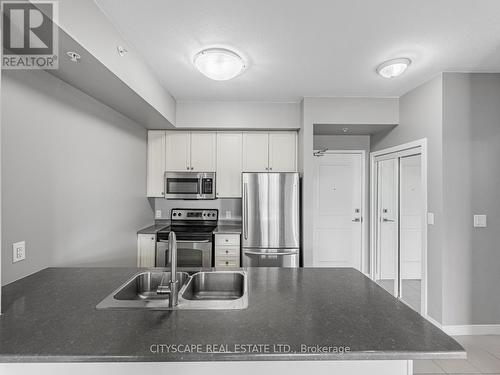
(50, 316)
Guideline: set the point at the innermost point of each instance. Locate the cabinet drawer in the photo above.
(227, 239)
(227, 262)
(225, 251)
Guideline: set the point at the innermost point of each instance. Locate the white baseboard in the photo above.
(435, 322)
(473, 329)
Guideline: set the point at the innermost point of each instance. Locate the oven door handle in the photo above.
(185, 241)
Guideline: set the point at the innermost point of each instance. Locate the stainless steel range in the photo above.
(193, 228)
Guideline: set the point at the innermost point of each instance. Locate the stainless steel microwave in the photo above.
(190, 185)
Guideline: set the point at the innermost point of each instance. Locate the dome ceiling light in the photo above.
(393, 68)
(219, 64)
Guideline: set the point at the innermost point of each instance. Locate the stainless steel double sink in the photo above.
(210, 290)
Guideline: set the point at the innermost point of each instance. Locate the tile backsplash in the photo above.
(227, 205)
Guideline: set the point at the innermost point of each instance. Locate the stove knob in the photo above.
(175, 214)
(179, 214)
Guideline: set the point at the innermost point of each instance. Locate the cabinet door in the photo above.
(146, 250)
(255, 152)
(177, 151)
(156, 163)
(229, 165)
(283, 151)
(203, 151)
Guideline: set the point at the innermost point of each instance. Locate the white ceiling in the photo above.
(298, 48)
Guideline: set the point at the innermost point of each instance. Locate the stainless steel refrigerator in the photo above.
(271, 217)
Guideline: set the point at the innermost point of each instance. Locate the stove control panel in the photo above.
(194, 214)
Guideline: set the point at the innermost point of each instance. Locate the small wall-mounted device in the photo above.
(18, 251)
(121, 51)
(73, 56)
(480, 221)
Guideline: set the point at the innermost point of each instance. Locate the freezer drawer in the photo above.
(286, 258)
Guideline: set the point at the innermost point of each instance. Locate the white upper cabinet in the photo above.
(203, 151)
(282, 151)
(229, 164)
(227, 152)
(177, 151)
(255, 152)
(156, 163)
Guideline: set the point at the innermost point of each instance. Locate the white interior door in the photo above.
(338, 198)
(411, 230)
(387, 224)
(399, 217)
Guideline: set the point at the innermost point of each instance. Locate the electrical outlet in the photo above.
(158, 214)
(18, 251)
(228, 214)
(480, 221)
(430, 218)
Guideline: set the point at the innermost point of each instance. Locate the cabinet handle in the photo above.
(192, 168)
(270, 169)
(227, 252)
(187, 168)
(267, 168)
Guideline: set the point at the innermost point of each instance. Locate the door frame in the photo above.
(364, 212)
(422, 144)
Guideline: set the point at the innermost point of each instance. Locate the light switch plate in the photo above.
(228, 214)
(480, 221)
(158, 214)
(430, 218)
(18, 251)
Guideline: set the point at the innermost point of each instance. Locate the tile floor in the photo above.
(483, 357)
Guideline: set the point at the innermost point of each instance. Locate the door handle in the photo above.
(264, 254)
(356, 220)
(385, 220)
(245, 213)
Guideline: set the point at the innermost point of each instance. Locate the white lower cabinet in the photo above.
(229, 164)
(227, 250)
(146, 250)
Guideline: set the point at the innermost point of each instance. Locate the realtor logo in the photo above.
(29, 35)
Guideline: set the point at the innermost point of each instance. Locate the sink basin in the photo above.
(214, 290)
(141, 292)
(144, 286)
(210, 286)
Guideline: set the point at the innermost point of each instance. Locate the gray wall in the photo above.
(232, 205)
(420, 115)
(73, 177)
(471, 151)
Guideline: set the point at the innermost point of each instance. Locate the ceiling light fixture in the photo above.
(393, 68)
(219, 64)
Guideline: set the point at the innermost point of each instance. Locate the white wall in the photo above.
(89, 26)
(240, 115)
(73, 177)
(420, 116)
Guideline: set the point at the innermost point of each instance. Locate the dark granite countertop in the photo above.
(51, 317)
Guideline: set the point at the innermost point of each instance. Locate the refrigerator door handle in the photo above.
(245, 211)
(264, 254)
